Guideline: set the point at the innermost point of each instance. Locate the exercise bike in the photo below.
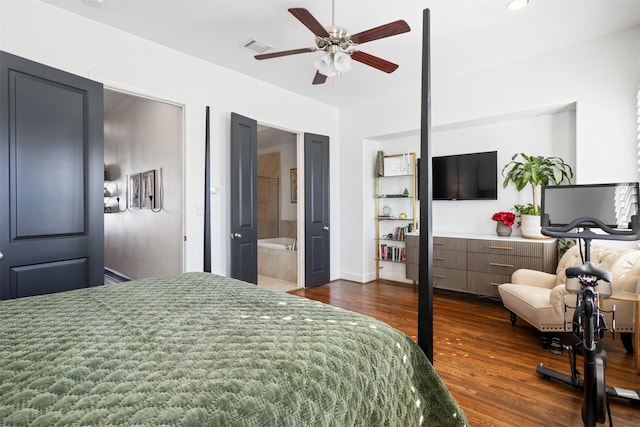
(589, 283)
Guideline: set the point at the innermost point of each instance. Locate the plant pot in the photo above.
(530, 227)
(502, 229)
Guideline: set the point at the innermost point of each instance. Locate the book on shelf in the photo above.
(392, 253)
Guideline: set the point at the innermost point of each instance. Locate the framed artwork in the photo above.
(134, 190)
(294, 185)
(148, 189)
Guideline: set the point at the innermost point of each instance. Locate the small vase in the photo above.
(502, 229)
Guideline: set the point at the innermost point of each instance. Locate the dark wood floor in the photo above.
(488, 365)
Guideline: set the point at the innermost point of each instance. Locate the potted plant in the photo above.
(525, 170)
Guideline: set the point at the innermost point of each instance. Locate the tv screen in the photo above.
(472, 176)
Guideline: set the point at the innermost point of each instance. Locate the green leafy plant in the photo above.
(525, 170)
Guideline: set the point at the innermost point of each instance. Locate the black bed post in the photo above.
(425, 287)
(207, 195)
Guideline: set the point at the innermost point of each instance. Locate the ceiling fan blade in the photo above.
(319, 78)
(387, 30)
(374, 61)
(285, 53)
(304, 16)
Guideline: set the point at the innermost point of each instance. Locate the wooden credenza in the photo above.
(477, 263)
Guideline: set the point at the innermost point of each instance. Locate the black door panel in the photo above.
(51, 186)
(244, 197)
(317, 222)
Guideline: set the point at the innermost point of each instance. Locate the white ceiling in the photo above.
(466, 35)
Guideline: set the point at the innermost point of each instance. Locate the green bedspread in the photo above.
(203, 350)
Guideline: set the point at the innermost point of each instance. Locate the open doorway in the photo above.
(277, 208)
(143, 190)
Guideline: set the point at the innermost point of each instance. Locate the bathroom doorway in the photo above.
(277, 209)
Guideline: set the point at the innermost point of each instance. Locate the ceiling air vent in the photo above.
(257, 45)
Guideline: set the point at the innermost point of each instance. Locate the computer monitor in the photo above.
(613, 205)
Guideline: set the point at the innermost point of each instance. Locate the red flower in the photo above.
(507, 218)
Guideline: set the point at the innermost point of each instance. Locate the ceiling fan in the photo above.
(339, 46)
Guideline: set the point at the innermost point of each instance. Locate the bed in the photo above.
(198, 349)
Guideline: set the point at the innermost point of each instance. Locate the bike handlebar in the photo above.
(587, 223)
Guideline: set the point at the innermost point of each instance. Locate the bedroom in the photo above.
(518, 87)
(155, 70)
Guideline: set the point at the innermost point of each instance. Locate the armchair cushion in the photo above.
(541, 279)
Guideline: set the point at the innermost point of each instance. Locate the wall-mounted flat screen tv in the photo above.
(472, 176)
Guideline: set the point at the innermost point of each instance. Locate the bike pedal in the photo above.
(556, 346)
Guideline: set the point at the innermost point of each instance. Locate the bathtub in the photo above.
(278, 258)
(286, 243)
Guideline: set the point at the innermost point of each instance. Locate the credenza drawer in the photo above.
(500, 263)
(447, 278)
(487, 283)
(449, 259)
(449, 243)
(506, 247)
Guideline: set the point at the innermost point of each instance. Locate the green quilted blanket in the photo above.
(198, 349)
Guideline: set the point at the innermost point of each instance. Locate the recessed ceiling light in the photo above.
(257, 45)
(516, 4)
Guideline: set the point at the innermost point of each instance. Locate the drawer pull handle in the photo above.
(504, 248)
(497, 264)
(439, 276)
(438, 258)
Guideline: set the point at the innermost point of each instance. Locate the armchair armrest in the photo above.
(541, 279)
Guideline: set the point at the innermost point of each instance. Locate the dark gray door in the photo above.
(244, 198)
(51, 180)
(316, 199)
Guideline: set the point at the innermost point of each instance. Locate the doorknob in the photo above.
(326, 228)
(1, 255)
(235, 236)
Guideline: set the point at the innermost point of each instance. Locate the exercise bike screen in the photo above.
(613, 204)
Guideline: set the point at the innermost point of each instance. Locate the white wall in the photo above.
(141, 135)
(599, 77)
(46, 34)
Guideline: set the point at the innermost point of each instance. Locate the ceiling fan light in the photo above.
(342, 62)
(516, 4)
(324, 65)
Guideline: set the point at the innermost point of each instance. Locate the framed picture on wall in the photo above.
(134, 190)
(148, 190)
(294, 185)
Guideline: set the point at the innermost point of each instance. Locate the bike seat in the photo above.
(588, 269)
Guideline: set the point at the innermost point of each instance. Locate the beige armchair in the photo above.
(537, 297)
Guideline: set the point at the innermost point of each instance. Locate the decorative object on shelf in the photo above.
(534, 171)
(405, 193)
(402, 216)
(398, 164)
(379, 164)
(504, 222)
(386, 210)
